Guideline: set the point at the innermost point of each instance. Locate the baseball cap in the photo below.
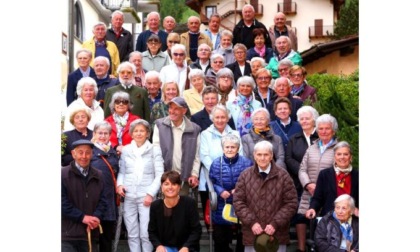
(179, 101)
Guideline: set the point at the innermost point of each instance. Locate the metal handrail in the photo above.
(212, 192)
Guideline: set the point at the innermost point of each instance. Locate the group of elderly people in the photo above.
(250, 109)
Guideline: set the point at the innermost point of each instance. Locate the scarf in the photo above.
(260, 52)
(103, 147)
(244, 120)
(224, 95)
(297, 91)
(342, 170)
(120, 122)
(347, 232)
(262, 132)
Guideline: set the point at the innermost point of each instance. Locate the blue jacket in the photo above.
(72, 80)
(285, 132)
(141, 44)
(251, 53)
(224, 173)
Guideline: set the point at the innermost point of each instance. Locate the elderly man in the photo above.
(103, 80)
(178, 70)
(153, 20)
(265, 200)
(280, 28)
(99, 46)
(82, 200)
(153, 86)
(193, 38)
(283, 51)
(138, 95)
(120, 36)
(169, 24)
(213, 30)
(282, 89)
(179, 139)
(203, 61)
(242, 33)
(83, 57)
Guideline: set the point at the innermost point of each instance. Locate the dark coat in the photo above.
(296, 104)
(124, 42)
(270, 201)
(103, 85)
(272, 97)
(202, 119)
(73, 135)
(285, 132)
(141, 44)
(196, 65)
(184, 218)
(237, 71)
(251, 53)
(111, 212)
(72, 80)
(326, 190)
(243, 34)
(328, 234)
(80, 196)
(224, 174)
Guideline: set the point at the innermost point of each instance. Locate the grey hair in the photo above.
(98, 58)
(102, 124)
(133, 53)
(193, 17)
(153, 12)
(137, 122)
(259, 59)
(126, 64)
(239, 46)
(216, 56)
(248, 6)
(99, 24)
(152, 74)
(263, 145)
(220, 107)
(327, 118)
(285, 62)
(178, 47)
(196, 72)
(343, 144)
(278, 80)
(349, 199)
(89, 52)
(261, 110)
(121, 95)
(86, 81)
(226, 33)
(287, 39)
(307, 109)
(248, 80)
(231, 138)
(223, 72)
(117, 12)
(204, 45)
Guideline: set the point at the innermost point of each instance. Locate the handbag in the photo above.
(229, 213)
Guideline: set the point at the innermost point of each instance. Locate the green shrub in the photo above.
(339, 96)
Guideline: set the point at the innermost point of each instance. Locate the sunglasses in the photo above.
(218, 62)
(125, 102)
(178, 54)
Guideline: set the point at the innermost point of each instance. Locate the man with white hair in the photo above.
(103, 80)
(193, 38)
(120, 36)
(153, 20)
(169, 24)
(138, 95)
(281, 28)
(99, 46)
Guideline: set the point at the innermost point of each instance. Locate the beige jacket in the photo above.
(185, 40)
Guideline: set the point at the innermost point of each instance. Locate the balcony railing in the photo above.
(259, 11)
(287, 8)
(321, 31)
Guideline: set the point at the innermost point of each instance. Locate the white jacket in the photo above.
(97, 113)
(140, 170)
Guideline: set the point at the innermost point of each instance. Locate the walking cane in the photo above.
(118, 228)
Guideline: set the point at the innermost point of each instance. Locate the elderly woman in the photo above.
(153, 86)
(243, 105)
(136, 58)
(263, 93)
(260, 131)
(283, 68)
(226, 48)
(79, 118)
(225, 85)
(177, 71)
(338, 230)
(301, 89)
(259, 50)
(154, 58)
(106, 160)
(240, 67)
(319, 156)
(224, 173)
(256, 64)
(172, 39)
(210, 143)
(296, 148)
(141, 168)
(86, 90)
(160, 109)
(217, 62)
(283, 50)
(174, 221)
(340, 179)
(193, 95)
(283, 125)
(120, 120)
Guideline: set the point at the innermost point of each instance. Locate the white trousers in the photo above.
(136, 220)
(282, 248)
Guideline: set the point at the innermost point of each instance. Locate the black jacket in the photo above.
(202, 119)
(237, 71)
(243, 34)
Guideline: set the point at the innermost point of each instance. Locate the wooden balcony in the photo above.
(287, 8)
(259, 10)
(321, 31)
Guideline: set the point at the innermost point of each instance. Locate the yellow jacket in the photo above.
(193, 100)
(202, 38)
(111, 48)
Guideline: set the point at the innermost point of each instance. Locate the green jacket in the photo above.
(272, 65)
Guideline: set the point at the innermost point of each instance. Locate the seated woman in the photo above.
(260, 131)
(338, 230)
(192, 96)
(340, 179)
(300, 88)
(174, 223)
(79, 118)
(120, 120)
(224, 173)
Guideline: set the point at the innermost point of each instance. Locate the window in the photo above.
(210, 10)
(78, 22)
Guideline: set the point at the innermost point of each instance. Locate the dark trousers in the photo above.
(105, 239)
(77, 246)
(223, 235)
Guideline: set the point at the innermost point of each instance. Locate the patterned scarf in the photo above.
(103, 147)
(296, 91)
(224, 95)
(121, 122)
(260, 52)
(244, 120)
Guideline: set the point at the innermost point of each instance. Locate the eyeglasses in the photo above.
(125, 102)
(283, 69)
(225, 77)
(126, 72)
(178, 54)
(173, 42)
(264, 78)
(296, 75)
(153, 42)
(240, 52)
(218, 62)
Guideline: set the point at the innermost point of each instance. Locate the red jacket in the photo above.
(126, 138)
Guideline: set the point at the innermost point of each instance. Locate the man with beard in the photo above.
(138, 95)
